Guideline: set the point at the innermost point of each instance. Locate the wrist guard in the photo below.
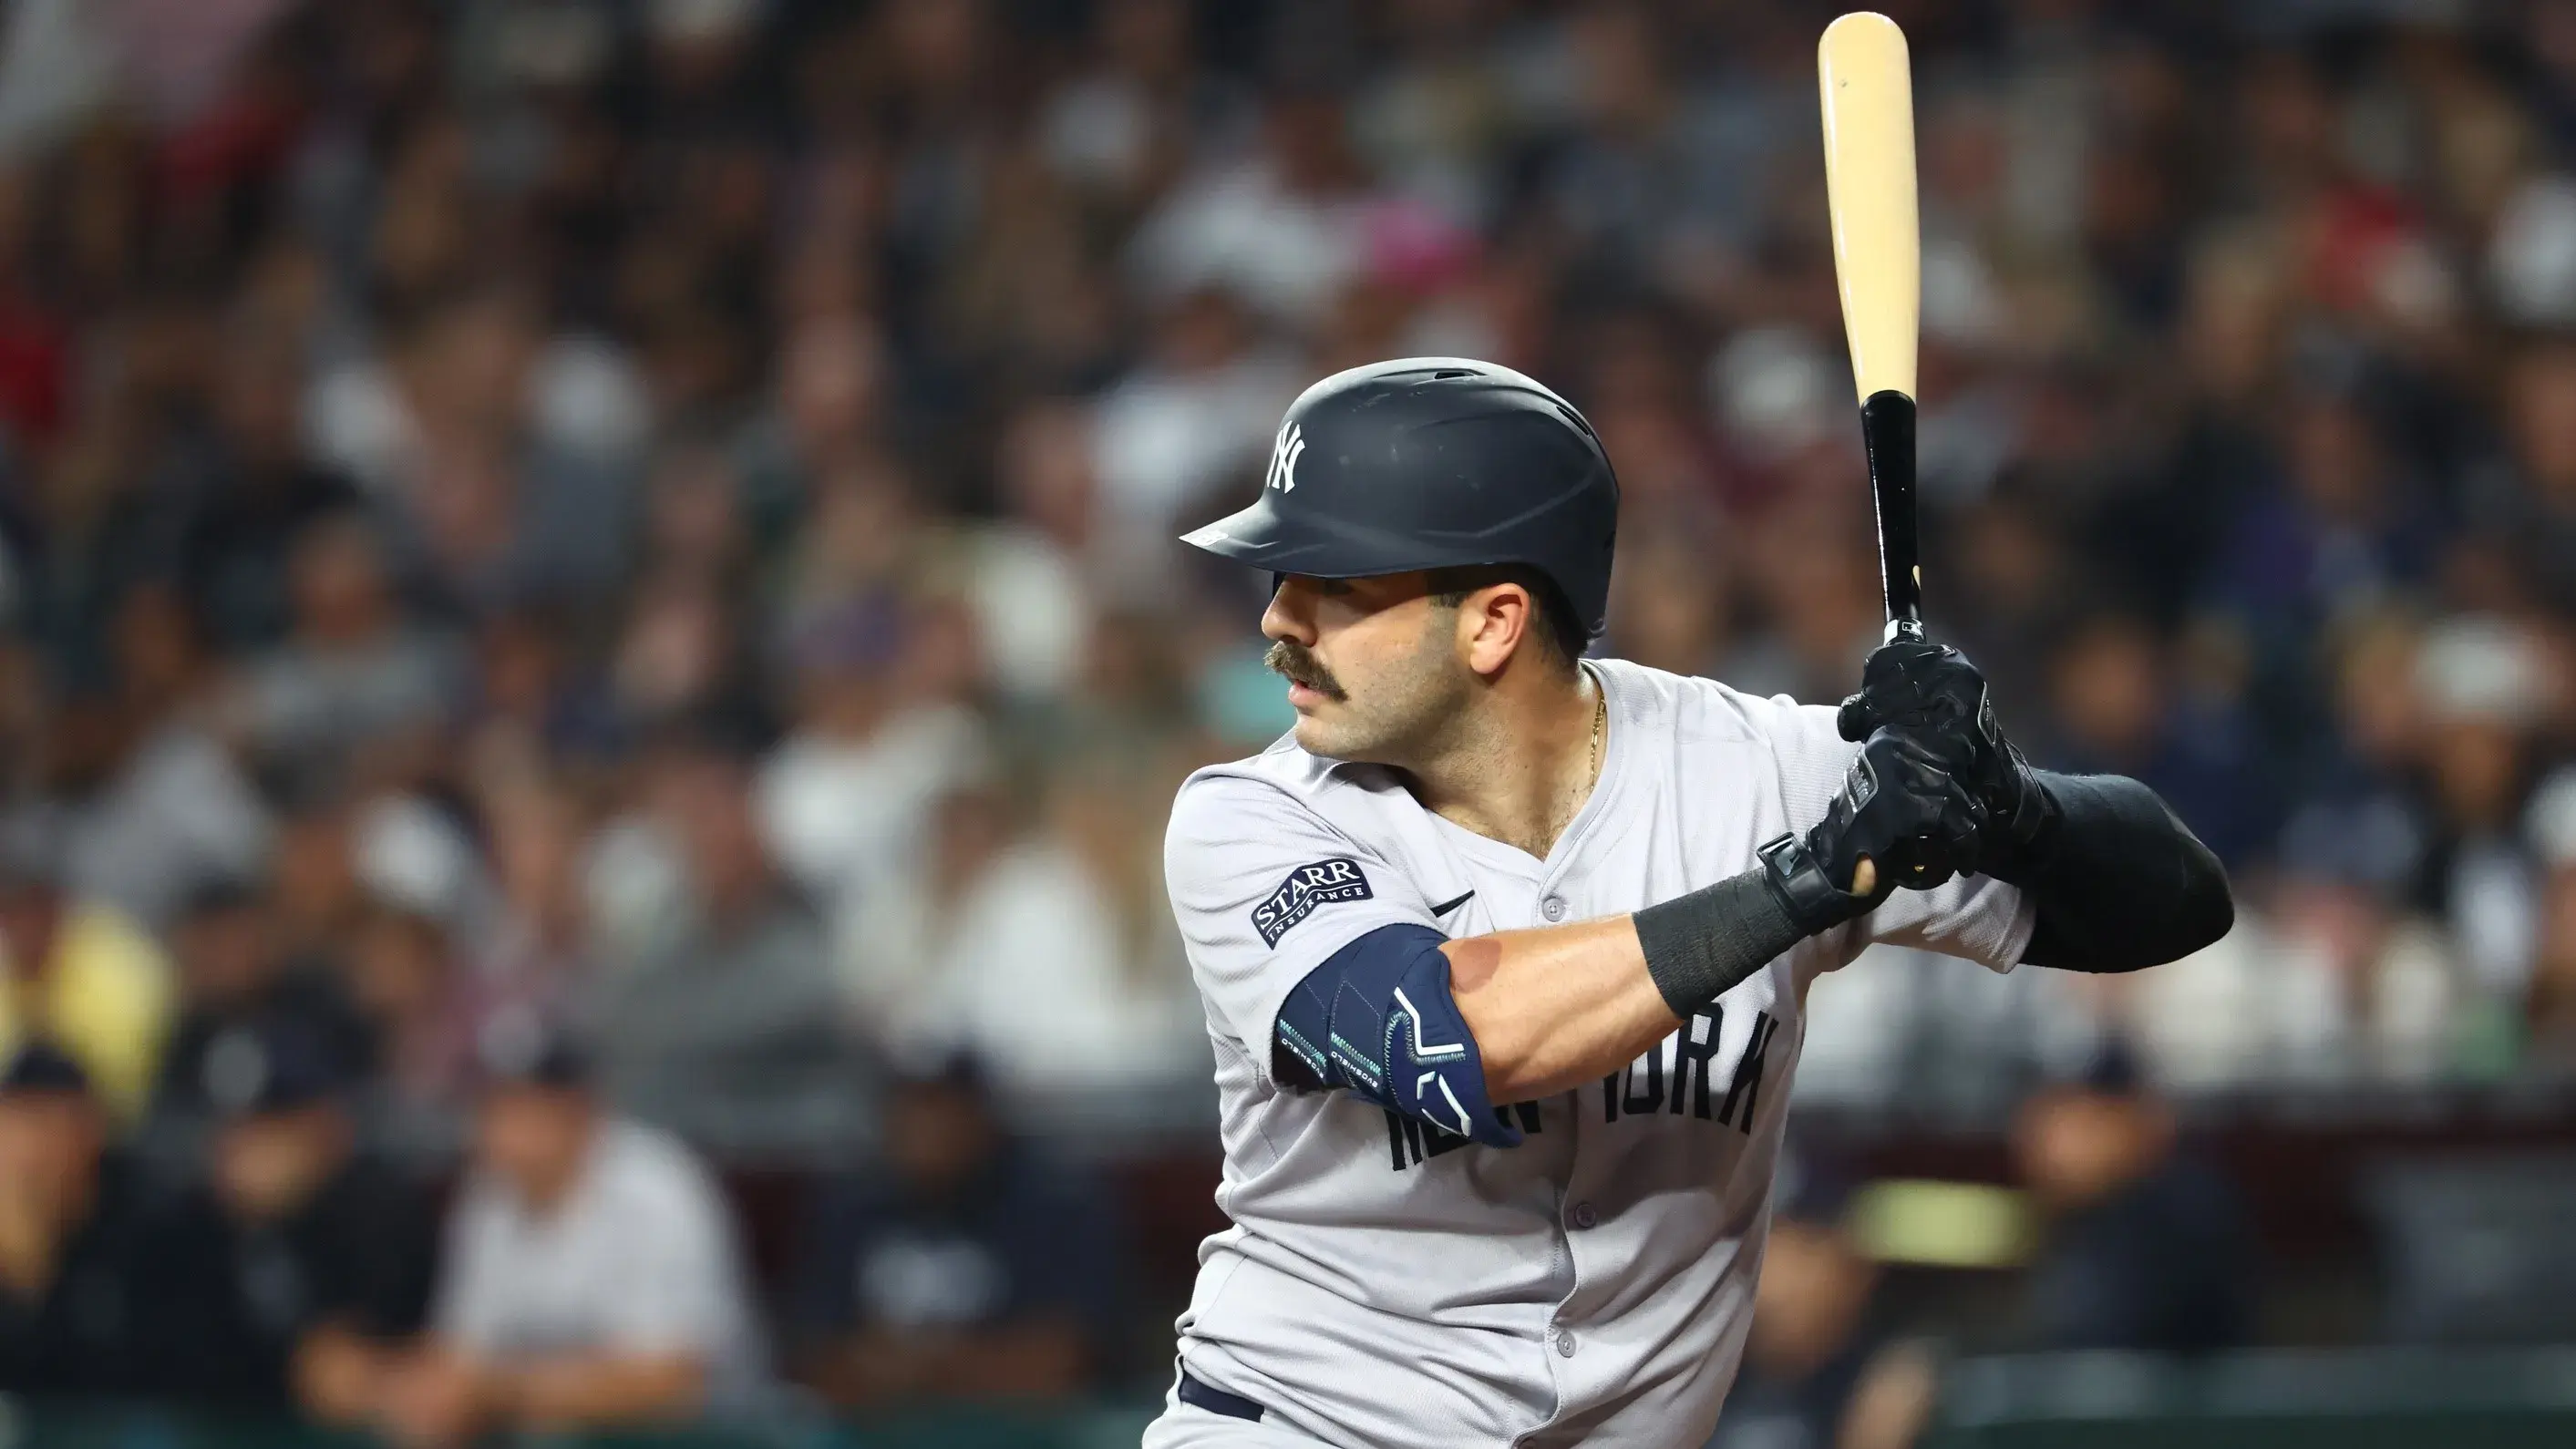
(1798, 883)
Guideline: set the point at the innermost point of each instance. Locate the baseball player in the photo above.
(1504, 950)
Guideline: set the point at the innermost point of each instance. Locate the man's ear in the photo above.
(1494, 623)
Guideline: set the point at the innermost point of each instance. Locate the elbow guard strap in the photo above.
(1377, 1020)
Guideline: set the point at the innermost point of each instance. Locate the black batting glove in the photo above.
(1899, 809)
(1931, 694)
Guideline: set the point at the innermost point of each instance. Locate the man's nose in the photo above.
(1291, 615)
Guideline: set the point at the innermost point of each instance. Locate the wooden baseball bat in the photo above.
(1863, 77)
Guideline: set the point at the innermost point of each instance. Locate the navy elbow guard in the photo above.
(1377, 1020)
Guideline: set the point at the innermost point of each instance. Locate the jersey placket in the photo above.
(1563, 897)
(1581, 1208)
(1520, 892)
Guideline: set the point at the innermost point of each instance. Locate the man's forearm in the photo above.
(600, 1389)
(2118, 882)
(1037, 1359)
(1042, 1359)
(1557, 1006)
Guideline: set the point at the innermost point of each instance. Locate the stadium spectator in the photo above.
(82, 1276)
(969, 1266)
(2484, 685)
(500, 459)
(1823, 1369)
(302, 1262)
(589, 1278)
(232, 976)
(2553, 986)
(847, 798)
(2147, 1247)
(1201, 409)
(1037, 945)
(168, 809)
(2528, 507)
(251, 493)
(2339, 528)
(725, 1025)
(2122, 704)
(537, 695)
(79, 972)
(353, 677)
(315, 891)
(405, 979)
(537, 953)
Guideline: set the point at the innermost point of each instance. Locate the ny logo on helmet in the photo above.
(1284, 453)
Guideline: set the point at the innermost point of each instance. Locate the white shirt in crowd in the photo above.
(847, 817)
(1030, 969)
(638, 1258)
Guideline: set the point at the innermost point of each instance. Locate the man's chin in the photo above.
(1316, 737)
(1337, 740)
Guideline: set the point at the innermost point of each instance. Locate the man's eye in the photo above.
(1333, 586)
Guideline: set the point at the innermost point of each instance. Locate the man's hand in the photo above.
(436, 1398)
(340, 1378)
(1932, 696)
(1901, 820)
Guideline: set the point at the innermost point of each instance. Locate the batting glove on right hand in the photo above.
(1900, 811)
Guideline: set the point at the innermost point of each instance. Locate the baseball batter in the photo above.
(1505, 950)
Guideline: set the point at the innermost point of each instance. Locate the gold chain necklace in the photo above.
(1600, 723)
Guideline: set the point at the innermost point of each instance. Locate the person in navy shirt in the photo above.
(967, 1265)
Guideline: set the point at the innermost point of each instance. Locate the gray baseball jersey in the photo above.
(1387, 1283)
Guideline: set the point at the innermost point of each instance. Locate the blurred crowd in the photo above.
(649, 521)
(587, 1274)
(2130, 1239)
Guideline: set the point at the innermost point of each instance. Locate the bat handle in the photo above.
(1887, 435)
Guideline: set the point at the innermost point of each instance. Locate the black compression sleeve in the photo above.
(1698, 945)
(2119, 883)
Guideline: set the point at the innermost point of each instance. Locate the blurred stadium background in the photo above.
(591, 612)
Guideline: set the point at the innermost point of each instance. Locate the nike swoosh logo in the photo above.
(1445, 907)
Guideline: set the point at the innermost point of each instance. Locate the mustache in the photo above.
(1291, 660)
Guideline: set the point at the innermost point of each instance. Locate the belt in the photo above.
(1199, 1394)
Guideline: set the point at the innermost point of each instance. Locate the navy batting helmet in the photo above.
(1426, 463)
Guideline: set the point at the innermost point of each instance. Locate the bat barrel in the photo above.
(1865, 85)
(1866, 90)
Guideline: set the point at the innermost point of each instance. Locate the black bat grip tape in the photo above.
(1887, 435)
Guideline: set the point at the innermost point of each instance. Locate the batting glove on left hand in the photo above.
(1930, 694)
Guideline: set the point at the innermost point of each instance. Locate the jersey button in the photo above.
(1553, 908)
(1565, 1343)
(1584, 1216)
